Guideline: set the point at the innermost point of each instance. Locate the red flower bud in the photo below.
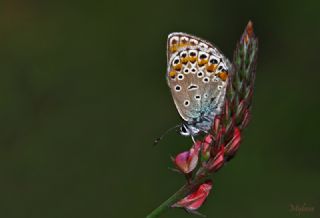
(194, 200)
(241, 107)
(219, 137)
(246, 119)
(208, 139)
(248, 33)
(216, 123)
(218, 160)
(205, 151)
(234, 143)
(187, 161)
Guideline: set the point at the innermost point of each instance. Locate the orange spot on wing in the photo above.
(202, 62)
(212, 67)
(192, 59)
(178, 67)
(173, 48)
(172, 74)
(223, 75)
(192, 43)
(184, 60)
(184, 44)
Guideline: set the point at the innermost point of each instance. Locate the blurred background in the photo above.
(83, 95)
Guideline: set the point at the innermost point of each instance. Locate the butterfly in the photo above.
(197, 75)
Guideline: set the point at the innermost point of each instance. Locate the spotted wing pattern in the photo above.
(197, 75)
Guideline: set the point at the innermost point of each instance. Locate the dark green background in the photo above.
(83, 95)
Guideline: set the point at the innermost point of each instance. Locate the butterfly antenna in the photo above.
(157, 140)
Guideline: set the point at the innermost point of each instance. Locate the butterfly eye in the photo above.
(184, 131)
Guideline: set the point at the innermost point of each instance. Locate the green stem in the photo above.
(181, 193)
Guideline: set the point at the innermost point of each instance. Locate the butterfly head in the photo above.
(189, 130)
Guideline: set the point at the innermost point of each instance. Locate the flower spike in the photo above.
(222, 141)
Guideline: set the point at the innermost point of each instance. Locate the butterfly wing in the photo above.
(196, 74)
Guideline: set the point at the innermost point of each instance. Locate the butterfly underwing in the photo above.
(197, 75)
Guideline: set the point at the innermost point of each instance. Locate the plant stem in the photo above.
(181, 193)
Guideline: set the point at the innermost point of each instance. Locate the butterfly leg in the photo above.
(193, 139)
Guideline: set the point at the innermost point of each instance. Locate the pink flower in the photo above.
(187, 161)
(194, 200)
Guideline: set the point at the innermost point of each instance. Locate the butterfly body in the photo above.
(197, 75)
